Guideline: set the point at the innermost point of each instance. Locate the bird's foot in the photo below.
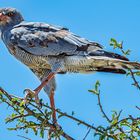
(57, 126)
(29, 94)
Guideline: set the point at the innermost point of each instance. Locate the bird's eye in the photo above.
(10, 14)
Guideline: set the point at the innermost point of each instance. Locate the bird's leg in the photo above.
(52, 103)
(54, 120)
(35, 92)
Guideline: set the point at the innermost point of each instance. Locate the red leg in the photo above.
(44, 83)
(52, 103)
(35, 92)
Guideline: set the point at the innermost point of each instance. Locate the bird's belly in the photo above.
(32, 61)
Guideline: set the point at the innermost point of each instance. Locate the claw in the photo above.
(58, 127)
(31, 94)
(53, 130)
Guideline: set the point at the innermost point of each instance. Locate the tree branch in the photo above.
(46, 123)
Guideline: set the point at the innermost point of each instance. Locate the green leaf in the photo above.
(97, 85)
(115, 44)
(21, 110)
(22, 103)
(94, 91)
(42, 132)
(13, 115)
(96, 88)
(127, 52)
(137, 73)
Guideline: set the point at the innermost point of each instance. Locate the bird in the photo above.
(48, 50)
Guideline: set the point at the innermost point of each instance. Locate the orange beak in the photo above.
(3, 17)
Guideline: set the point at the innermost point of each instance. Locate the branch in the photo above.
(134, 79)
(101, 108)
(23, 137)
(138, 107)
(128, 118)
(87, 134)
(75, 119)
(16, 117)
(46, 123)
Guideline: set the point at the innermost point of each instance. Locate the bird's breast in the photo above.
(32, 61)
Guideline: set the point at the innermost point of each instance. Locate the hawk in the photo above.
(49, 50)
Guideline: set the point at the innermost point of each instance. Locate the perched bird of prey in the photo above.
(48, 50)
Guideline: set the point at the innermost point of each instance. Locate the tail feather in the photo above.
(130, 65)
(99, 63)
(113, 63)
(108, 54)
(111, 70)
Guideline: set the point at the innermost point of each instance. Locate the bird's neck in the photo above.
(8, 26)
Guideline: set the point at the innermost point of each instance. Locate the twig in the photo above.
(128, 118)
(101, 108)
(87, 134)
(75, 119)
(71, 117)
(134, 79)
(138, 107)
(24, 137)
(16, 117)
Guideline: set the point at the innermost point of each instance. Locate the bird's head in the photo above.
(9, 17)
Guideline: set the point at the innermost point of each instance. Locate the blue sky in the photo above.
(95, 20)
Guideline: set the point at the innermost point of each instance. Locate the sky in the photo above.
(92, 19)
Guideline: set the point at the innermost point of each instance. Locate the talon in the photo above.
(53, 129)
(57, 126)
(37, 100)
(29, 94)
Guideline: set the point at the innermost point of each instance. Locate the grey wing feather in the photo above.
(44, 39)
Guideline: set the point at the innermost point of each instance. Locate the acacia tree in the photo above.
(117, 129)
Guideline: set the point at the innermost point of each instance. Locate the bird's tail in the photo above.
(102, 62)
(114, 65)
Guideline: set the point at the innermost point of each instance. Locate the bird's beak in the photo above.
(2, 17)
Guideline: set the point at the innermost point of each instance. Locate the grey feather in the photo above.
(47, 40)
